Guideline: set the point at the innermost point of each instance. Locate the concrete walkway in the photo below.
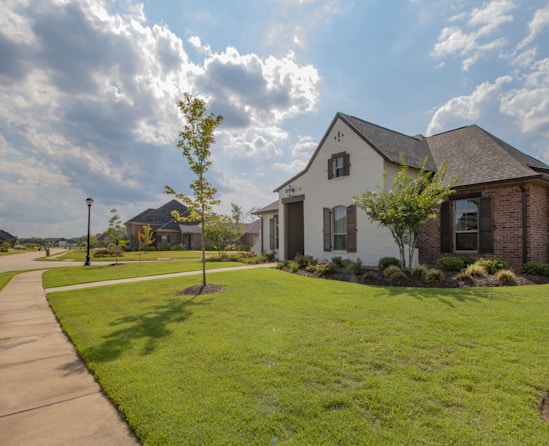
(47, 395)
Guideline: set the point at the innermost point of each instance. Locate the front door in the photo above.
(295, 234)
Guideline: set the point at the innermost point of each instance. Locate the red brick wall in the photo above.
(507, 220)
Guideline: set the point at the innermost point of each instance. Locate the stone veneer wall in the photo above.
(507, 221)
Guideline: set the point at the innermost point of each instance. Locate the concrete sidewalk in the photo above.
(47, 395)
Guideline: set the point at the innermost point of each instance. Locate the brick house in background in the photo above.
(167, 231)
(501, 205)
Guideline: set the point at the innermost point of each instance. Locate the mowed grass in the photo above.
(316, 362)
(133, 256)
(72, 275)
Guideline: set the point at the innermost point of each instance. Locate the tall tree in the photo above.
(410, 202)
(195, 141)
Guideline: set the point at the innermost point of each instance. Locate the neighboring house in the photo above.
(501, 205)
(167, 231)
(251, 235)
(5, 236)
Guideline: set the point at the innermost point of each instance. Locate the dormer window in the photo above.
(339, 165)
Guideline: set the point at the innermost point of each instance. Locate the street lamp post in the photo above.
(89, 202)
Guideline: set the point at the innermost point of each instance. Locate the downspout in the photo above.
(261, 235)
(524, 222)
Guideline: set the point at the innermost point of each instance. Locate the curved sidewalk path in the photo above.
(47, 395)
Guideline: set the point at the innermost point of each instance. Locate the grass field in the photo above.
(94, 273)
(132, 256)
(279, 358)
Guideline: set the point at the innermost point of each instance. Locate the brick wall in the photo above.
(507, 221)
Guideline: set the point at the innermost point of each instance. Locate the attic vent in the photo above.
(339, 136)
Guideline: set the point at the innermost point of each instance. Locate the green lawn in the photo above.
(317, 362)
(84, 274)
(136, 256)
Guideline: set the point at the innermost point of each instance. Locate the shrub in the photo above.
(354, 267)
(419, 271)
(465, 276)
(320, 268)
(337, 261)
(271, 256)
(451, 264)
(492, 265)
(282, 265)
(386, 262)
(294, 266)
(537, 268)
(303, 261)
(476, 270)
(507, 277)
(395, 275)
(434, 275)
(369, 277)
(5, 247)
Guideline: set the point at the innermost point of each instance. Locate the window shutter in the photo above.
(272, 228)
(351, 228)
(327, 229)
(486, 235)
(445, 227)
(330, 168)
(346, 164)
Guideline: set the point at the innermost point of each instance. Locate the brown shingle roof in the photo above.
(391, 144)
(160, 216)
(477, 156)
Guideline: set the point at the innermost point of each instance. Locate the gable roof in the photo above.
(5, 236)
(476, 156)
(390, 144)
(471, 153)
(273, 207)
(160, 216)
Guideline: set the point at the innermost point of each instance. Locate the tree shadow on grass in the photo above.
(151, 325)
(447, 296)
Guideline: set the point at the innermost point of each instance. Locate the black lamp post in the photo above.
(89, 202)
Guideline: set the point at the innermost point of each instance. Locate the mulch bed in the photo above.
(375, 277)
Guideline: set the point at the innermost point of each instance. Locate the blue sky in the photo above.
(88, 91)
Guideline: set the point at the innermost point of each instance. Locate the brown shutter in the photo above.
(330, 168)
(327, 229)
(445, 227)
(351, 228)
(272, 228)
(346, 164)
(486, 235)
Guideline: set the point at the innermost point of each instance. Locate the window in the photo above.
(340, 228)
(466, 224)
(339, 165)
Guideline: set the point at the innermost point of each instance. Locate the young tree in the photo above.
(195, 141)
(225, 232)
(116, 233)
(145, 238)
(407, 205)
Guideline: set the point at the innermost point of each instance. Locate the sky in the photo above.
(89, 91)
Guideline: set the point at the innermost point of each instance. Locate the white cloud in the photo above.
(476, 42)
(536, 26)
(465, 110)
(530, 104)
(89, 107)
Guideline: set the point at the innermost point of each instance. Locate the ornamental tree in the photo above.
(224, 232)
(116, 233)
(195, 141)
(410, 202)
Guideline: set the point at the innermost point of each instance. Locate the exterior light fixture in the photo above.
(290, 190)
